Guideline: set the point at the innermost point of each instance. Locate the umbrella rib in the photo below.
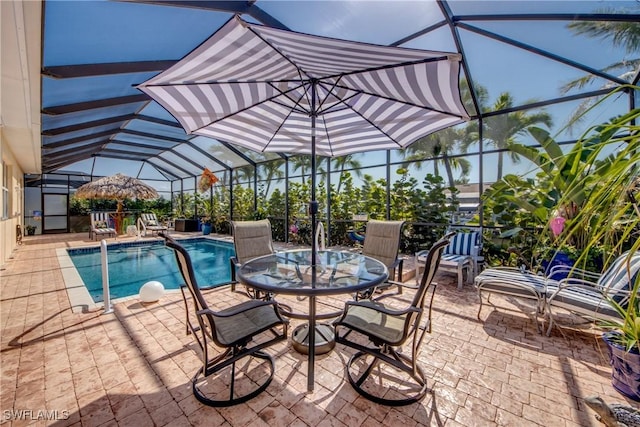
(399, 101)
(394, 65)
(281, 93)
(283, 122)
(329, 91)
(275, 49)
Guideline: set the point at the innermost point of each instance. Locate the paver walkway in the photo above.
(133, 367)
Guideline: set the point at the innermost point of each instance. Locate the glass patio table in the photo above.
(292, 273)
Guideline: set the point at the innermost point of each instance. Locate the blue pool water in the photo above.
(133, 264)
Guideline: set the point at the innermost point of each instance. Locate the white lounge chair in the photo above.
(149, 221)
(100, 222)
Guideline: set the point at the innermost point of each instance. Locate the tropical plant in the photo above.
(622, 34)
(610, 209)
(592, 187)
(344, 162)
(439, 146)
(502, 131)
(270, 172)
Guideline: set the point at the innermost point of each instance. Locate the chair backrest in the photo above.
(621, 275)
(464, 242)
(186, 270)
(149, 219)
(431, 267)
(207, 322)
(252, 239)
(382, 240)
(99, 220)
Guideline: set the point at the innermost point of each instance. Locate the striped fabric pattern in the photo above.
(621, 275)
(462, 244)
(252, 85)
(510, 280)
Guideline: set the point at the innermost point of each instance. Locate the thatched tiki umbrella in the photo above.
(117, 187)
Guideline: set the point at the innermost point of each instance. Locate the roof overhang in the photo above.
(20, 81)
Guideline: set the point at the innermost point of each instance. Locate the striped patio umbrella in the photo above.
(275, 90)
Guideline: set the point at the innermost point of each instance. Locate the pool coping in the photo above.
(77, 292)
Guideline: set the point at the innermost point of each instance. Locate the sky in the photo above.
(78, 32)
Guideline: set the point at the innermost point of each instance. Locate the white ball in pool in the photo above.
(151, 291)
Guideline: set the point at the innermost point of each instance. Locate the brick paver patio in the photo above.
(133, 367)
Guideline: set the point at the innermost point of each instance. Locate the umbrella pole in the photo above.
(313, 210)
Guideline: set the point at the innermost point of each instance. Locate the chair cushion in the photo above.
(581, 300)
(151, 223)
(100, 224)
(251, 319)
(510, 281)
(364, 317)
(621, 276)
(462, 244)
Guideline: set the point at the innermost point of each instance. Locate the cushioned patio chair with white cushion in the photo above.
(382, 370)
(234, 366)
(589, 295)
(149, 221)
(462, 255)
(100, 225)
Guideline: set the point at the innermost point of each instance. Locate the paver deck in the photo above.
(133, 367)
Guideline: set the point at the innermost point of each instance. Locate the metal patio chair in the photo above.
(251, 239)
(239, 331)
(382, 242)
(387, 329)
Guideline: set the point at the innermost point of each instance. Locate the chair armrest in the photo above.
(380, 308)
(397, 265)
(573, 272)
(233, 261)
(255, 303)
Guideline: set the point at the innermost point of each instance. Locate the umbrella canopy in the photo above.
(259, 87)
(275, 90)
(117, 187)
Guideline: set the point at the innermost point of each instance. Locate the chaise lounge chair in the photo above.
(100, 225)
(149, 221)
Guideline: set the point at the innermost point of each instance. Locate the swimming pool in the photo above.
(133, 264)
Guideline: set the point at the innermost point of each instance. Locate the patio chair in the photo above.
(241, 331)
(149, 221)
(387, 329)
(100, 225)
(382, 242)
(589, 295)
(463, 255)
(251, 239)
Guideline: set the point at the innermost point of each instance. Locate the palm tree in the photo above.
(301, 162)
(502, 131)
(271, 170)
(621, 34)
(440, 144)
(342, 163)
(243, 174)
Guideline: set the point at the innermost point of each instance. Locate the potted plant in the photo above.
(609, 218)
(206, 225)
(30, 229)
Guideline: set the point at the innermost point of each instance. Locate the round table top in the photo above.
(290, 272)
